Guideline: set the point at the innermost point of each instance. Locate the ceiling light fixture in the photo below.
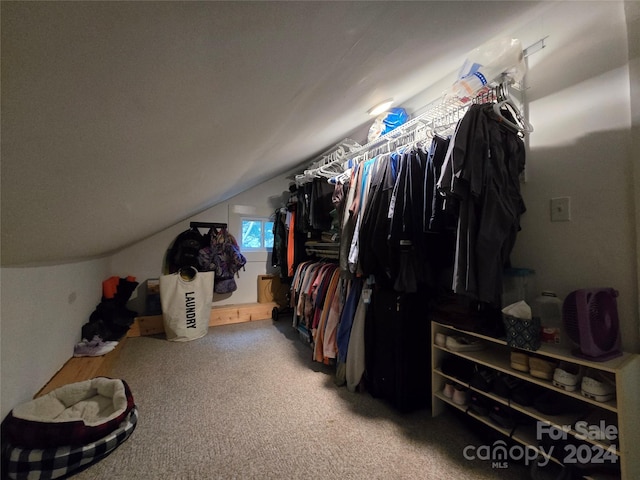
(381, 107)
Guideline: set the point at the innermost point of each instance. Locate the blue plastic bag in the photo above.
(387, 122)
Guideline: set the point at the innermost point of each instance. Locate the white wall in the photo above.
(144, 260)
(632, 10)
(579, 98)
(43, 310)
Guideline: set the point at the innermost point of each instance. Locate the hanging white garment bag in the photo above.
(186, 303)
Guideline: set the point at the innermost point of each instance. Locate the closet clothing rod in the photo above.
(436, 112)
(207, 225)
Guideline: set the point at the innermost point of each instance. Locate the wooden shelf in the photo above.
(621, 411)
(498, 358)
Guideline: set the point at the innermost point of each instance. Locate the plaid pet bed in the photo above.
(30, 433)
(50, 463)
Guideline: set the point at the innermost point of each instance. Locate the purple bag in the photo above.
(225, 285)
(225, 259)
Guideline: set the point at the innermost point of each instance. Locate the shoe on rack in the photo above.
(441, 339)
(483, 379)
(519, 361)
(541, 368)
(460, 395)
(503, 416)
(479, 404)
(504, 385)
(598, 386)
(568, 376)
(599, 422)
(458, 367)
(554, 403)
(526, 393)
(463, 344)
(448, 389)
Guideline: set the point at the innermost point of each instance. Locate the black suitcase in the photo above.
(398, 350)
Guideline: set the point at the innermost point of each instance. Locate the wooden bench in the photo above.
(77, 369)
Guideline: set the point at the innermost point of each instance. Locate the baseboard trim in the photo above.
(220, 315)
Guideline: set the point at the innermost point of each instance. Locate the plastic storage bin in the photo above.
(517, 285)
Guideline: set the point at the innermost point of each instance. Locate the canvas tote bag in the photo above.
(186, 298)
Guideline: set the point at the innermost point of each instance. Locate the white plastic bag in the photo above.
(186, 298)
(487, 64)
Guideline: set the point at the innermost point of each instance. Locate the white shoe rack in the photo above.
(624, 408)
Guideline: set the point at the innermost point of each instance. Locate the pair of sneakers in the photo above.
(568, 376)
(458, 394)
(459, 343)
(95, 347)
(594, 384)
(533, 365)
(598, 385)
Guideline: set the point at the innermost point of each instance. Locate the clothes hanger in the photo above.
(519, 123)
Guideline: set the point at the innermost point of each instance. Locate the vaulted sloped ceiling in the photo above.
(120, 119)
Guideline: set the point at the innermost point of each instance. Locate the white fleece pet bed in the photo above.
(74, 414)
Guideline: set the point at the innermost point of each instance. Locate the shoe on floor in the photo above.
(463, 344)
(97, 340)
(95, 348)
(568, 376)
(598, 386)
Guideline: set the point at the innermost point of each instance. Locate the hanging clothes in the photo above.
(374, 251)
(481, 171)
(291, 243)
(362, 198)
(321, 204)
(406, 222)
(323, 308)
(437, 217)
(330, 348)
(349, 217)
(355, 364)
(346, 319)
(279, 253)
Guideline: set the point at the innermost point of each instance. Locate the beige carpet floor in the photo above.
(246, 402)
